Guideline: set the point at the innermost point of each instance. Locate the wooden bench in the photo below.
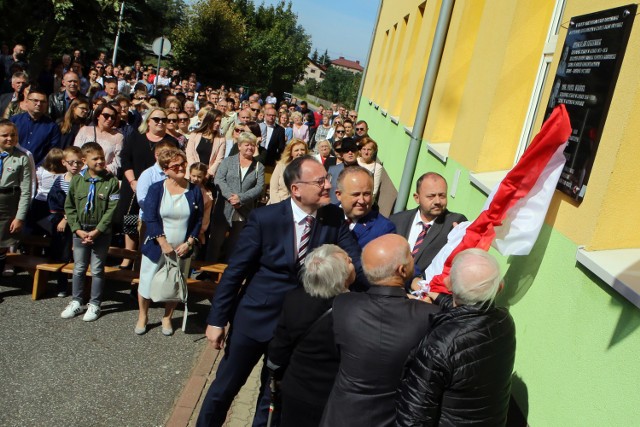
(204, 287)
(43, 270)
(32, 255)
(216, 269)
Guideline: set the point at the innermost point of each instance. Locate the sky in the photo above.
(343, 27)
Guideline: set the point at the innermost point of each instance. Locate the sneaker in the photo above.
(8, 272)
(62, 294)
(93, 312)
(73, 309)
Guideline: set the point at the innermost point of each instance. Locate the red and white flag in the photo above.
(514, 212)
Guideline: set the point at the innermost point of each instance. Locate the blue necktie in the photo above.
(91, 196)
(3, 156)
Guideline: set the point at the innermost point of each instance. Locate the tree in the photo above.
(340, 85)
(314, 57)
(211, 41)
(324, 59)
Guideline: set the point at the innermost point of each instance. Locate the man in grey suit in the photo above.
(374, 332)
(427, 226)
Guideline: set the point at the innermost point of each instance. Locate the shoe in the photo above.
(62, 294)
(73, 309)
(93, 312)
(8, 272)
(140, 331)
(167, 332)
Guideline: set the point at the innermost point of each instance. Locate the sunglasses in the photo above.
(255, 110)
(177, 167)
(172, 120)
(238, 130)
(108, 116)
(339, 131)
(360, 129)
(159, 119)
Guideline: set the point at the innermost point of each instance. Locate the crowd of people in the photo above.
(318, 282)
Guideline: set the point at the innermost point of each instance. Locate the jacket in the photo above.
(217, 152)
(461, 374)
(228, 181)
(153, 220)
(106, 199)
(58, 106)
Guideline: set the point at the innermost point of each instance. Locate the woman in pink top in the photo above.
(104, 132)
(300, 130)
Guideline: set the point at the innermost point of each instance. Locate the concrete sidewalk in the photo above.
(66, 372)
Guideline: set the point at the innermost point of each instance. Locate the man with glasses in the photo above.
(255, 108)
(362, 130)
(269, 254)
(59, 102)
(349, 150)
(353, 115)
(37, 133)
(274, 139)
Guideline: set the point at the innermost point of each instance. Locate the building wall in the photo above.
(578, 340)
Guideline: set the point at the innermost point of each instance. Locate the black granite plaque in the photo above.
(585, 81)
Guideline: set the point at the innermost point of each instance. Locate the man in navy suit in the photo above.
(268, 256)
(355, 193)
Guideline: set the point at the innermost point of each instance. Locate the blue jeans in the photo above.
(82, 254)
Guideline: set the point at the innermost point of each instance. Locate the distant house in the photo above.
(345, 64)
(314, 71)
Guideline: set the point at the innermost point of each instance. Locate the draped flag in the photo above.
(514, 212)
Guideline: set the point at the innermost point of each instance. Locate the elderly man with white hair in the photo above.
(461, 374)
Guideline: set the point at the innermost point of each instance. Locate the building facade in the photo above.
(575, 298)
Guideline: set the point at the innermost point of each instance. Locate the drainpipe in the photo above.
(366, 67)
(420, 121)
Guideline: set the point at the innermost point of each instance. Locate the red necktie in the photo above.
(420, 239)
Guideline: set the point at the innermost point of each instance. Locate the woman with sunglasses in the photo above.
(172, 129)
(240, 182)
(138, 155)
(74, 119)
(206, 145)
(336, 140)
(104, 132)
(173, 217)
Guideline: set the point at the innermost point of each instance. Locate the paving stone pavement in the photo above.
(66, 372)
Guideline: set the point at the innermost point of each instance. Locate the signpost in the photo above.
(161, 47)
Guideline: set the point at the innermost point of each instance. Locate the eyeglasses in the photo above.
(108, 116)
(172, 120)
(360, 129)
(237, 130)
(352, 116)
(255, 110)
(158, 119)
(339, 131)
(177, 167)
(318, 182)
(74, 162)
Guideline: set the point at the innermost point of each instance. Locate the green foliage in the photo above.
(235, 42)
(210, 41)
(338, 85)
(324, 59)
(314, 57)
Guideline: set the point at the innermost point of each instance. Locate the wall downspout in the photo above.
(366, 67)
(420, 122)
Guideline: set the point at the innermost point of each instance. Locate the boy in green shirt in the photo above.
(89, 207)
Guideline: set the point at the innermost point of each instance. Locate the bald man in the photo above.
(375, 331)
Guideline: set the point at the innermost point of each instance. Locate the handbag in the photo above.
(130, 221)
(169, 284)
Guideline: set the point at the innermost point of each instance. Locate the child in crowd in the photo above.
(198, 174)
(89, 206)
(62, 237)
(46, 174)
(15, 187)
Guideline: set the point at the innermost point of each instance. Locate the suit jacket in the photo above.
(305, 359)
(436, 237)
(276, 145)
(375, 332)
(334, 171)
(372, 226)
(265, 256)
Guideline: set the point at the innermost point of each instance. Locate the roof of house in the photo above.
(320, 66)
(354, 65)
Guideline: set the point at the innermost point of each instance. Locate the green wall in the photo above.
(578, 351)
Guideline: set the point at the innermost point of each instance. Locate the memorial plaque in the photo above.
(585, 81)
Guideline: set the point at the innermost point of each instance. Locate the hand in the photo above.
(215, 336)
(62, 225)
(166, 248)
(234, 200)
(16, 226)
(93, 235)
(82, 234)
(182, 249)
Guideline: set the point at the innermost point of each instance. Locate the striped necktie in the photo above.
(420, 239)
(304, 242)
(3, 156)
(91, 197)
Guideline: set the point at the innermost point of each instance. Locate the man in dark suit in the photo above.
(273, 139)
(355, 193)
(271, 248)
(426, 227)
(374, 332)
